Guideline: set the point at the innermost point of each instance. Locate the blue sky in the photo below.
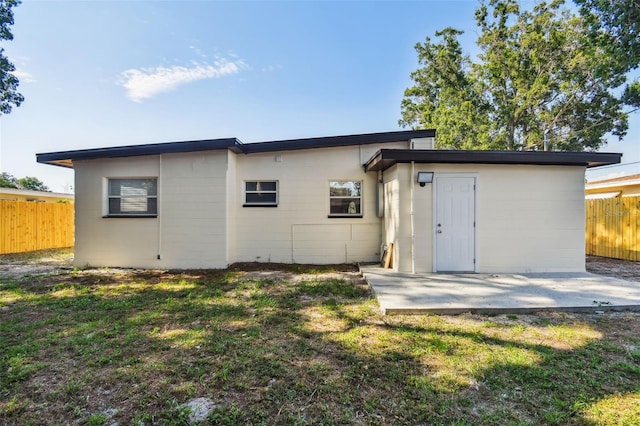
(113, 73)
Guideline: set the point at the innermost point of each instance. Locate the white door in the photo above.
(455, 224)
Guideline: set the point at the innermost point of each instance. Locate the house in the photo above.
(210, 203)
(623, 186)
(11, 194)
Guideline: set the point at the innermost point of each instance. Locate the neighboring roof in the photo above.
(386, 158)
(623, 181)
(66, 158)
(602, 195)
(30, 193)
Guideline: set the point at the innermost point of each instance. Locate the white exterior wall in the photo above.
(190, 230)
(397, 220)
(392, 214)
(232, 199)
(528, 218)
(299, 229)
(193, 196)
(532, 219)
(127, 242)
(201, 220)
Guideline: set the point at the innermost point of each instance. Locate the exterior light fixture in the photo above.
(425, 177)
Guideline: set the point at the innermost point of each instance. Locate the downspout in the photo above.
(413, 257)
(159, 196)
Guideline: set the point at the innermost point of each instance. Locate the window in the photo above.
(345, 198)
(133, 197)
(263, 193)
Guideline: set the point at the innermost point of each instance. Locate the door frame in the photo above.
(434, 205)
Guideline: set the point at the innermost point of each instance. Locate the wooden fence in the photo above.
(28, 226)
(613, 227)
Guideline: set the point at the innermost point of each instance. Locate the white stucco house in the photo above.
(210, 203)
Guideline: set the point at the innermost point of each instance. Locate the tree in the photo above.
(33, 184)
(445, 96)
(615, 26)
(538, 78)
(9, 97)
(7, 180)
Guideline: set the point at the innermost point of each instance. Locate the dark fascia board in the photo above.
(66, 158)
(335, 141)
(386, 158)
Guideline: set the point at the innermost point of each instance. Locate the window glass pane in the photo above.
(345, 206)
(261, 192)
(150, 186)
(114, 205)
(261, 186)
(261, 198)
(267, 186)
(152, 206)
(133, 199)
(345, 188)
(133, 196)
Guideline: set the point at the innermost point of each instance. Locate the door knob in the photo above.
(439, 231)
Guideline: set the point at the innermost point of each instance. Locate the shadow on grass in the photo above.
(274, 351)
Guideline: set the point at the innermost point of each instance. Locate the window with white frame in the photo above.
(261, 193)
(133, 197)
(345, 198)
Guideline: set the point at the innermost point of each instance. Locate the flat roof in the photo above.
(66, 158)
(386, 158)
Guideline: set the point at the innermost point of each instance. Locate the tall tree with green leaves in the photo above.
(9, 96)
(33, 184)
(445, 96)
(7, 180)
(539, 80)
(614, 26)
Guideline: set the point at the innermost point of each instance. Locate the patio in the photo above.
(400, 293)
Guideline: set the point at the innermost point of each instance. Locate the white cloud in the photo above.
(147, 82)
(271, 68)
(23, 76)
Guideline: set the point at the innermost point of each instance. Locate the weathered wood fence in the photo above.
(28, 226)
(613, 227)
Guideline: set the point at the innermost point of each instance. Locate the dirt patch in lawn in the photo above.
(617, 268)
(16, 265)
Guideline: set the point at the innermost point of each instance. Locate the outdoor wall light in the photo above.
(425, 177)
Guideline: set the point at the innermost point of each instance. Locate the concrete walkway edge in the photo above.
(399, 293)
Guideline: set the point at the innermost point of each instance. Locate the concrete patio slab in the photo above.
(400, 293)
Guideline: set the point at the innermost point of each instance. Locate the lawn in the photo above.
(296, 345)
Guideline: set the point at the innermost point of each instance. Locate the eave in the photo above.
(66, 158)
(386, 158)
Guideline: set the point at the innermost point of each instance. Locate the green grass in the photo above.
(95, 347)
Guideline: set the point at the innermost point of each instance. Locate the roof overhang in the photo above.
(66, 158)
(386, 158)
(336, 141)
